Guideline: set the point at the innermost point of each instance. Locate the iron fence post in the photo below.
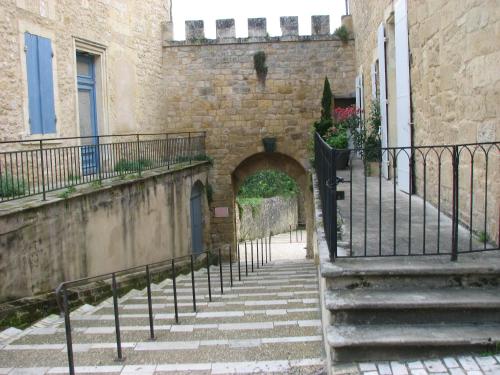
(220, 273)
(333, 199)
(168, 152)
(239, 263)
(139, 169)
(230, 267)
(44, 196)
(69, 340)
(208, 276)
(189, 148)
(176, 311)
(117, 320)
(270, 236)
(454, 239)
(150, 305)
(192, 283)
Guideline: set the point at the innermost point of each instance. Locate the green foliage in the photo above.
(322, 126)
(74, 178)
(266, 184)
(253, 203)
(326, 101)
(484, 237)
(367, 136)
(210, 193)
(96, 184)
(342, 33)
(124, 165)
(203, 157)
(66, 193)
(339, 140)
(11, 186)
(259, 63)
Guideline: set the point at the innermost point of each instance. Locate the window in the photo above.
(42, 118)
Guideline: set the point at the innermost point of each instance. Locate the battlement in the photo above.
(257, 31)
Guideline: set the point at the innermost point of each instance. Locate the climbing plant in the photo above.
(259, 63)
(266, 184)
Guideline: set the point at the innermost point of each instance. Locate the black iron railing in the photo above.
(423, 200)
(32, 167)
(143, 276)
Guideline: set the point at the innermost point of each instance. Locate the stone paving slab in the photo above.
(465, 365)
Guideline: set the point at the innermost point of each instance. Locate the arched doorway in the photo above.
(280, 162)
(196, 218)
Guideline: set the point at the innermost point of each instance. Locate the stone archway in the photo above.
(281, 162)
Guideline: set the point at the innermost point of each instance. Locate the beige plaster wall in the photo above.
(455, 90)
(213, 87)
(126, 34)
(131, 224)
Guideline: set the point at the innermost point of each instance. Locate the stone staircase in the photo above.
(267, 322)
(411, 307)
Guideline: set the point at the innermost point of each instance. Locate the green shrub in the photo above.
(266, 184)
(339, 140)
(11, 187)
(342, 33)
(124, 165)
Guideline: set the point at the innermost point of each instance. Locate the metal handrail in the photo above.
(61, 291)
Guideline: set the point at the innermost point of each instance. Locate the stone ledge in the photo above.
(449, 298)
(35, 201)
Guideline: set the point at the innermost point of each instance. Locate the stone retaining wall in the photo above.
(274, 215)
(112, 228)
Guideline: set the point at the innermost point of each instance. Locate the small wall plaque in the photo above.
(221, 211)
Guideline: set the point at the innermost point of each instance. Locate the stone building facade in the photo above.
(434, 66)
(121, 40)
(212, 85)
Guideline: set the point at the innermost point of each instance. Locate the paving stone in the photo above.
(468, 363)
(435, 366)
(418, 372)
(399, 368)
(457, 371)
(415, 365)
(450, 362)
(384, 369)
(363, 367)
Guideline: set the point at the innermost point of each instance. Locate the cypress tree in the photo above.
(326, 101)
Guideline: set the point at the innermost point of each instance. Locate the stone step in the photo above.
(477, 270)
(254, 367)
(353, 343)
(166, 352)
(381, 306)
(171, 332)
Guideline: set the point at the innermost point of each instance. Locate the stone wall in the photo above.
(130, 224)
(125, 37)
(274, 215)
(454, 54)
(212, 85)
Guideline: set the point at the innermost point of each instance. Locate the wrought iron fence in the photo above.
(32, 167)
(422, 200)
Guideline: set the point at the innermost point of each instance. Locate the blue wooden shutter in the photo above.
(40, 84)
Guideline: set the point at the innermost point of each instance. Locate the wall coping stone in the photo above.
(35, 202)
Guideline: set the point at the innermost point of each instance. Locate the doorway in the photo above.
(87, 114)
(196, 218)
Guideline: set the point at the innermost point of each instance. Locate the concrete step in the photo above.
(354, 343)
(391, 306)
(477, 270)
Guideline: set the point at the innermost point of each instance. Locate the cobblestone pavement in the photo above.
(463, 365)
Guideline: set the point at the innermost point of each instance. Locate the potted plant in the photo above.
(338, 139)
(366, 138)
